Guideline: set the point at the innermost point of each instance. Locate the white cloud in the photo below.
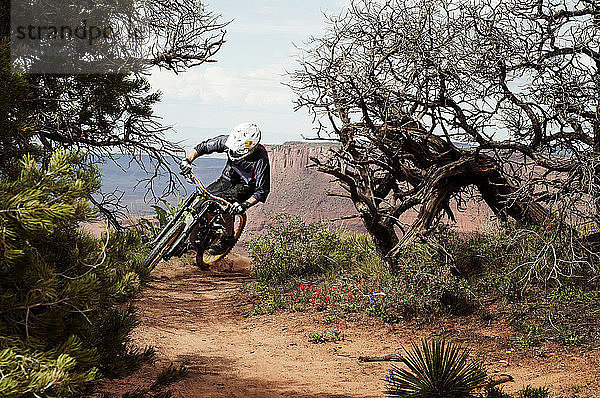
(271, 75)
(343, 4)
(246, 82)
(290, 27)
(217, 85)
(268, 98)
(266, 10)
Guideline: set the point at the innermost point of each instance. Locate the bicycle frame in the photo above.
(200, 190)
(194, 215)
(196, 225)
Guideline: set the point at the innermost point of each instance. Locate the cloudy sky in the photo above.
(245, 83)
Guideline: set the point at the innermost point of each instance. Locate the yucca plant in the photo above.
(436, 369)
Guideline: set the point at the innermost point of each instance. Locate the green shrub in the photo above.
(324, 337)
(310, 266)
(163, 216)
(496, 392)
(422, 282)
(435, 369)
(541, 257)
(516, 261)
(293, 248)
(527, 392)
(534, 392)
(301, 265)
(65, 313)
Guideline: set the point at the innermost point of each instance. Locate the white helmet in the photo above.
(242, 140)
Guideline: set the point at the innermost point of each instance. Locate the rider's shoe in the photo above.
(221, 245)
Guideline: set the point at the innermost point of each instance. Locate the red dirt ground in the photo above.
(201, 320)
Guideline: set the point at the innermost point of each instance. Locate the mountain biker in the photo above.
(245, 180)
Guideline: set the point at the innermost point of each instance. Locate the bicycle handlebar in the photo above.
(192, 179)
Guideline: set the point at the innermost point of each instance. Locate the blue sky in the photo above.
(245, 83)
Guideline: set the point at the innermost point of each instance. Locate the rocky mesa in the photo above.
(298, 189)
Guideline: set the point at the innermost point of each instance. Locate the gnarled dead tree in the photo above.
(429, 99)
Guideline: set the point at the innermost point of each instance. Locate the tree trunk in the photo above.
(494, 186)
(497, 188)
(383, 234)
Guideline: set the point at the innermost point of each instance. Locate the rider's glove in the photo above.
(238, 208)
(185, 166)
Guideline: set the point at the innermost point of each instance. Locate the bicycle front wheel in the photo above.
(204, 259)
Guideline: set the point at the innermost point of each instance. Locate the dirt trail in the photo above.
(199, 319)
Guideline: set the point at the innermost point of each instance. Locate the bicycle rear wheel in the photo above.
(164, 245)
(205, 259)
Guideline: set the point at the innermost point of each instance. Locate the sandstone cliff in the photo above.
(295, 189)
(298, 190)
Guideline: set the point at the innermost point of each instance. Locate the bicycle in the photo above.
(197, 225)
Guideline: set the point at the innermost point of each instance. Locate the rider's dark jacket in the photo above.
(253, 170)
